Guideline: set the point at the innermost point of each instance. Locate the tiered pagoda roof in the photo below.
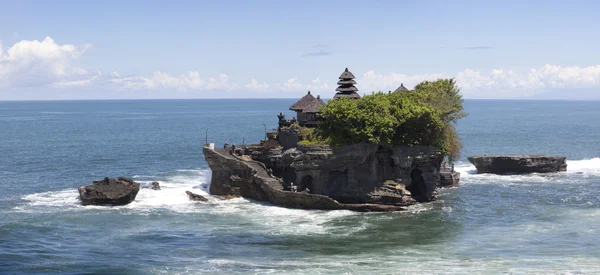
(346, 86)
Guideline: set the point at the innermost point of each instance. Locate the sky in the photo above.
(53, 50)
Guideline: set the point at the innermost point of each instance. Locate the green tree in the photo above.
(424, 116)
(444, 96)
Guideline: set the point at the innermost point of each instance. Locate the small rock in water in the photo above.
(155, 186)
(195, 197)
(109, 191)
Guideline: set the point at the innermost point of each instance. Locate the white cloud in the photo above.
(192, 81)
(497, 83)
(318, 85)
(254, 85)
(49, 65)
(291, 84)
(372, 81)
(38, 63)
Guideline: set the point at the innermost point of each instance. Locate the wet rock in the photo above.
(522, 164)
(356, 177)
(155, 186)
(449, 178)
(195, 197)
(109, 191)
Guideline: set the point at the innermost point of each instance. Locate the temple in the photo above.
(401, 89)
(346, 86)
(291, 168)
(307, 111)
(308, 107)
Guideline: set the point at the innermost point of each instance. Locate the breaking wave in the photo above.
(172, 198)
(575, 168)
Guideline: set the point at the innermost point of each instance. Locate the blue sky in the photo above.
(208, 49)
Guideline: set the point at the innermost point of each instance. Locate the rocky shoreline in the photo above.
(360, 177)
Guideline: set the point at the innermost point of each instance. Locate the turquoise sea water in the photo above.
(491, 224)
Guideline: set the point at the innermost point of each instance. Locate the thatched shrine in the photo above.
(307, 109)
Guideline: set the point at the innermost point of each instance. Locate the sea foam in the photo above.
(575, 169)
(270, 219)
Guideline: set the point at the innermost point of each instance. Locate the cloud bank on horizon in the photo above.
(49, 70)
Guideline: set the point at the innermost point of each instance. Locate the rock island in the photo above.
(520, 164)
(380, 152)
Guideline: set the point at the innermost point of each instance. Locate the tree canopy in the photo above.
(423, 116)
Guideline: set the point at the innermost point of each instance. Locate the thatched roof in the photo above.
(346, 82)
(401, 88)
(347, 75)
(314, 106)
(347, 95)
(301, 104)
(346, 89)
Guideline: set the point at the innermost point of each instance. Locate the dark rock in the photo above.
(288, 137)
(369, 173)
(449, 178)
(518, 164)
(155, 186)
(195, 197)
(271, 135)
(362, 177)
(109, 191)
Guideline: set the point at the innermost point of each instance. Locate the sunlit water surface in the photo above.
(517, 224)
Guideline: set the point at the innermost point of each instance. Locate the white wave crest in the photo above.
(266, 218)
(585, 167)
(172, 195)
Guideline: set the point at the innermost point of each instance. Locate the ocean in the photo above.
(539, 223)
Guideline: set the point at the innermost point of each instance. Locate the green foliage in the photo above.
(294, 125)
(315, 142)
(309, 136)
(271, 144)
(452, 143)
(419, 117)
(444, 96)
(306, 133)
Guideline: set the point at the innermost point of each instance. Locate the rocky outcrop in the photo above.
(355, 173)
(518, 164)
(109, 191)
(196, 197)
(362, 177)
(449, 178)
(155, 186)
(288, 137)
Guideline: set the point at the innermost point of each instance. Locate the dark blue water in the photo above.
(491, 224)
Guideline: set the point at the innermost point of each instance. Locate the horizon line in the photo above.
(267, 98)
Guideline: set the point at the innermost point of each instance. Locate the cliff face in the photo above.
(233, 176)
(369, 173)
(354, 175)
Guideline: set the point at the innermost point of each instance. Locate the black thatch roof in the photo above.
(347, 95)
(401, 88)
(346, 82)
(347, 75)
(303, 102)
(346, 89)
(314, 106)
